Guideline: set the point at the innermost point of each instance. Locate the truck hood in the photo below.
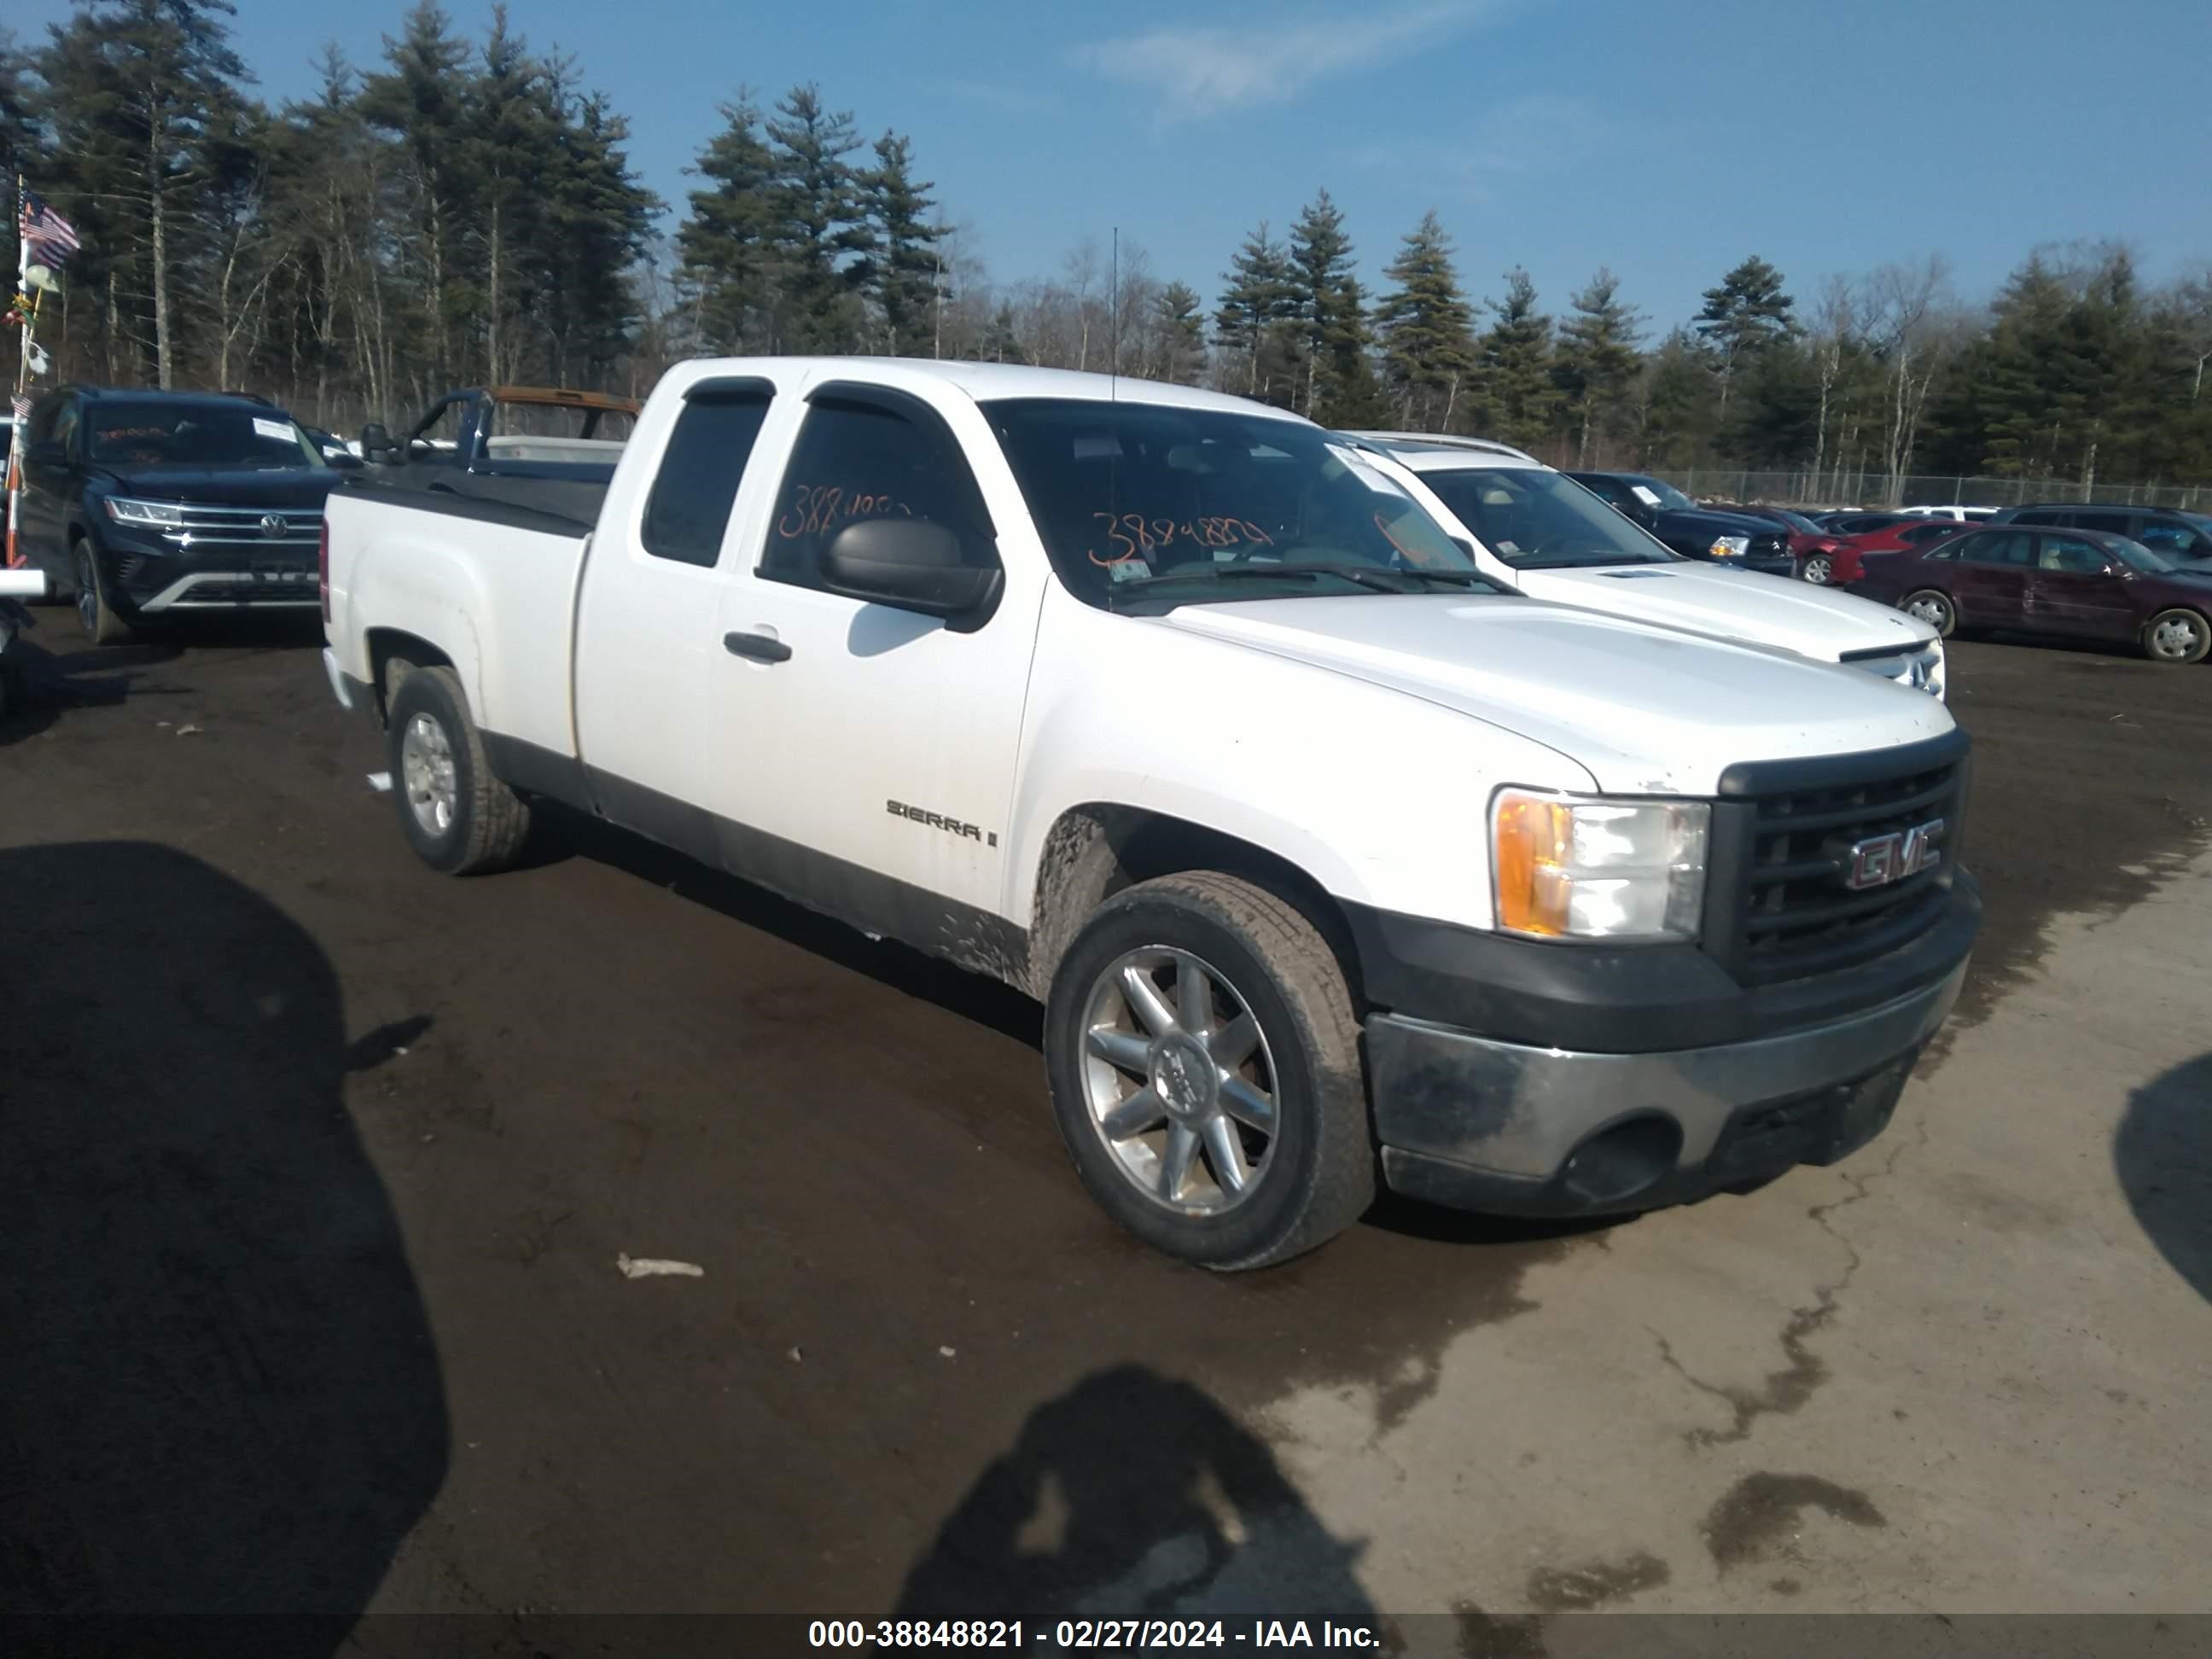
(1723, 603)
(1645, 710)
(1707, 521)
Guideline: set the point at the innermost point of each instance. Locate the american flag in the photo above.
(48, 239)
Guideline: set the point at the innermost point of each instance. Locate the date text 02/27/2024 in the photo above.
(1107, 1635)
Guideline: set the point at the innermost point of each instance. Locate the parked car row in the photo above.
(2073, 584)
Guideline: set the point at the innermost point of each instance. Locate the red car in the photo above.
(1840, 567)
(2079, 584)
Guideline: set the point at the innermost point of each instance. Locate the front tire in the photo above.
(2177, 637)
(100, 620)
(456, 814)
(1819, 569)
(1204, 1062)
(1933, 607)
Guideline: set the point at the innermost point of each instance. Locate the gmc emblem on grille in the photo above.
(1881, 859)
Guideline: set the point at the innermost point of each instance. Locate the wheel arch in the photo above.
(390, 647)
(1098, 849)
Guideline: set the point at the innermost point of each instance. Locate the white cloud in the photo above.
(1200, 69)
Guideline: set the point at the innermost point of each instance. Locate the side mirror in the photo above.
(910, 563)
(375, 442)
(1465, 543)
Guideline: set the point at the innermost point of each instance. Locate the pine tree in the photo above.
(1181, 327)
(422, 100)
(820, 222)
(139, 87)
(1260, 299)
(1333, 330)
(598, 220)
(900, 269)
(1596, 360)
(1746, 313)
(1678, 409)
(1516, 365)
(1427, 328)
(1002, 341)
(511, 124)
(728, 244)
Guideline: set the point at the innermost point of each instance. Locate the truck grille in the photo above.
(1769, 547)
(1785, 906)
(243, 527)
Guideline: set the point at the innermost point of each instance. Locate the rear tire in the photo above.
(1241, 1138)
(99, 620)
(1934, 608)
(2177, 638)
(456, 814)
(1819, 569)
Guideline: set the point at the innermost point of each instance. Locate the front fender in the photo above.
(1379, 797)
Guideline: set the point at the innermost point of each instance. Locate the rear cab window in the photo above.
(688, 511)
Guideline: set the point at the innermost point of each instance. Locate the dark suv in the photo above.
(1694, 531)
(2184, 535)
(150, 505)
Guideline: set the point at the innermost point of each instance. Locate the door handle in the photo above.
(759, 647)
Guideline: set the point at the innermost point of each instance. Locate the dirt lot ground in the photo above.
(318, 1167)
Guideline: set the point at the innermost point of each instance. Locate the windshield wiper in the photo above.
(1375, 578)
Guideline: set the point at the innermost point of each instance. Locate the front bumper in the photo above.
(1480, 1124)
(151, 574)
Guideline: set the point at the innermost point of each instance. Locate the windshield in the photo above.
(1799, 523)
(1192, 505)
(1539, 521)
(2199, 521)
(214, 435)
(2142, 558)
(1667, 495)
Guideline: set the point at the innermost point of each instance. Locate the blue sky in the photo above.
(1665, 139)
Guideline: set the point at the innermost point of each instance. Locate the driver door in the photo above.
(880, 742)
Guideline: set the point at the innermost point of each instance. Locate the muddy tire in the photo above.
(456, 814)
(1204, 1062)
(99, 620)
(2178, 637)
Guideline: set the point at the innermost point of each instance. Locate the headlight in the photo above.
(1729, 547)
(167, 515)
(1579, 866)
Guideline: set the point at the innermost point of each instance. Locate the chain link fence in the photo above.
(1825, 490)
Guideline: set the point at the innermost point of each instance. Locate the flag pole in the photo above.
(15, 435)
(19, 408)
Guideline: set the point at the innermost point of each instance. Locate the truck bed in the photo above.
(406, 557)
(569, 491)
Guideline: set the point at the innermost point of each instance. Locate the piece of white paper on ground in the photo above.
(648, 1267)
(380, 782)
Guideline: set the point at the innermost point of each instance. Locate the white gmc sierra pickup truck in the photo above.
(1333, 859)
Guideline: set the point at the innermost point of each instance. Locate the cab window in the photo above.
(690, 507)
(2000, 547)
(2072, 556)
(858, 460)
